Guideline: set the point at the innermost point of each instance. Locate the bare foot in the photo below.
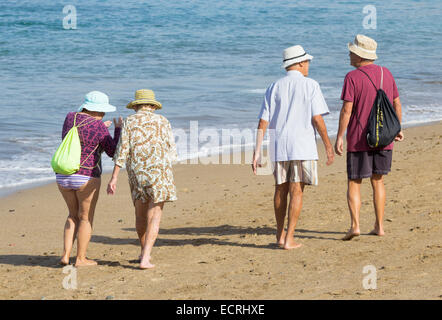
(64, 261)
(351, 234)
(280, 239)
(145, 263)
(296, 245)
(291, 244)
(85, 263)
(377, 232)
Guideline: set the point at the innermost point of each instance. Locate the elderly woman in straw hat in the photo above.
(81, 189)
(147, 148)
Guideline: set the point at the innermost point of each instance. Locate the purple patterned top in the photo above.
(92, 134)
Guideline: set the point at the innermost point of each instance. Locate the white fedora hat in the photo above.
(294, 55)
(97, 101)
(364, 46)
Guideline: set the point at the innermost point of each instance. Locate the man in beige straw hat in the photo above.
(292, 109)
(358, 95)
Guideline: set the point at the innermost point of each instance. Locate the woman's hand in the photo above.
(107, 123)
(112, 186)
(118, 123)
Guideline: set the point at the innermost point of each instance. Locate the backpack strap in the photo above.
(382, 77)
(370, 78)
(81, 165)
(82, 124)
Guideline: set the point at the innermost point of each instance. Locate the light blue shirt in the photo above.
(289, 106)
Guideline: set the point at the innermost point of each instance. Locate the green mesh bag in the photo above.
(66, 159)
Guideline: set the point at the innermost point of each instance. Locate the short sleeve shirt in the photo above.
(289, 106)
(359, 90)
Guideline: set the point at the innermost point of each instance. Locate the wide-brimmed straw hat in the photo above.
(364, 46)
(294, 55)
(144, 96)
(97, 101)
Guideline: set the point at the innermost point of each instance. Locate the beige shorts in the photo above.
(296, 171)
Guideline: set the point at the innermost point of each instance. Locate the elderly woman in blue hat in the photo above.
(80, 190)
(147, 149)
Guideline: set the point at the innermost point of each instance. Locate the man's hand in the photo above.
(255, 163)
(399, 137)
(107, 123)
(262, 126)
(319, 124)
(339, 146)
(330, 156)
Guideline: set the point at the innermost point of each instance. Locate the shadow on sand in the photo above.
(214, 233)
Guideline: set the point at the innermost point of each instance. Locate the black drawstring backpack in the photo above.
(383, 123)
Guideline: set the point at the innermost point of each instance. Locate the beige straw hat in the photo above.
(364, 47)
(144, 96)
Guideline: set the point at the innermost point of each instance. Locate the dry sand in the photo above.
(217, 240)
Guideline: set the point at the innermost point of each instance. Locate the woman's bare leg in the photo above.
(71, 225)
(87, 200)
(141, 221)
(153, 226)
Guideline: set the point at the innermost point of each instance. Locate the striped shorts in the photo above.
(296, 171)
(73, 181)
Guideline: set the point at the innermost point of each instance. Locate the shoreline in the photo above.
(9, 191)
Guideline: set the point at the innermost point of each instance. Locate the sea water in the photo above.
(208, 61)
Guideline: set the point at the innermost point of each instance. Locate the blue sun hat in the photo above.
(97, 101)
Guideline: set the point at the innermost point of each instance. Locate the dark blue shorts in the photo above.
(364, 164)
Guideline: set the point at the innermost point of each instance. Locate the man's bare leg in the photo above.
(379, 196)
(296, 190)
(280, 206)
(354, 206)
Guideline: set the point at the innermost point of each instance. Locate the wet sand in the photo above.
(217, 240)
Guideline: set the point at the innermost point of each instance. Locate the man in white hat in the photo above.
(292, 110)
(358, 95)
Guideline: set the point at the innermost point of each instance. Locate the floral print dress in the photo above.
(147, 148)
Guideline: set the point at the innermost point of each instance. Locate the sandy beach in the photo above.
(217, 240)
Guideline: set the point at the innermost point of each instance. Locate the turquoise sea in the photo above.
(207, 61)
